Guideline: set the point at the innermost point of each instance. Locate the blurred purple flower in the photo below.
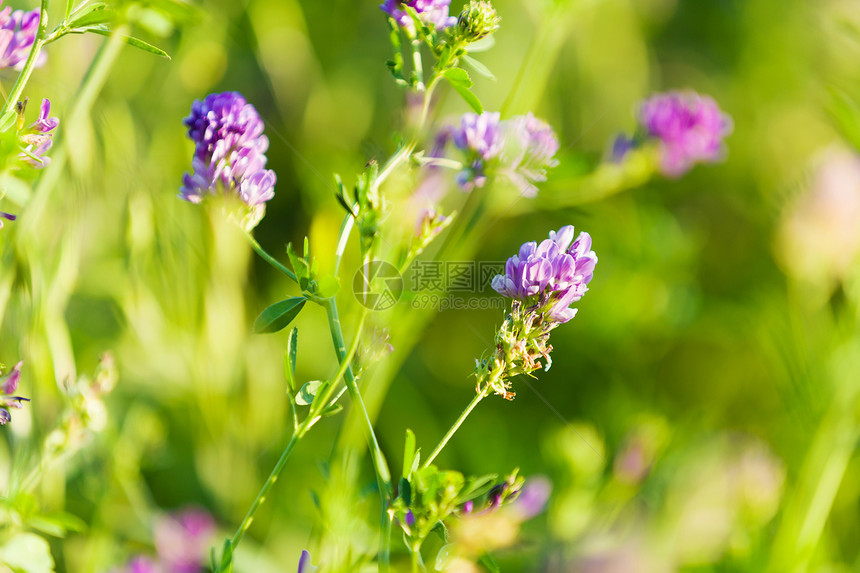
(17, 34)
(229, 152)
(305, 563)
(7, 216)
(556, 270)
(431, 12)
(533, 497)
(690, 127)
(183, 538)
(38, 137)
(530, 150)
(141, 564)
(620, 147)
(7, 388)
(479, 137)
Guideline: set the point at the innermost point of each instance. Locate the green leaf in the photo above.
(469, 97)
(482, 45)
(457, 76)
(290, 361)
(476, 487)
(846, 115)
(57, 524)
(489, 563)
(440, 530)
(479, 67)
(227, 557)
(408, 453)
(27, 553)
(134, 42)
(309, 392)
(279, 315)
(300, 267)
(98, 15)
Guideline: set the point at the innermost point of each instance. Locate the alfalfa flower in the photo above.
(183, 538)
(690, 128)
(37, 138)
(229, 155)
(432, 12)
(8, 387)
(544, 280)
(305, 565)
(7, 216)
(17, 33)
(520, 149)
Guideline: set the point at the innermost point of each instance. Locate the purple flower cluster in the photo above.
(38, 137)
(689, 126)
(182, 540)
(431, 12)
(7, 388)
(229, 154)
(557, 272)
(17, 34)
(521, 149)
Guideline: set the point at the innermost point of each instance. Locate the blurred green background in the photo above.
(701, 413)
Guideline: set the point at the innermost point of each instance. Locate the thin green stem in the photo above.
(465, 414)
(418, 64)
(269, 258)
(273, 477)
(24, 76)
(380, 465)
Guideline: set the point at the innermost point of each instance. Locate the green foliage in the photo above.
(279, 315)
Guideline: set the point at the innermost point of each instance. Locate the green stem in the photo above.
(273, 477)
(269, 258)
(418, 65)
(383, 475)
(24, 76)
(478, 397)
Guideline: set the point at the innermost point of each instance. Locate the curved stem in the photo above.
(273, 477)
(269, 258)
(478, 397)
(383, 475)
(24, 76)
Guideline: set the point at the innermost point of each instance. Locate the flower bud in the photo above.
(477, 20)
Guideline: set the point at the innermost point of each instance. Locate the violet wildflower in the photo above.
(479, 137)
(17, 33)
(432, 12)
(530, 150)
(37, 138)
(544, 280)
(183, 538)
(8, 387)
(305, 563)
(7, 216)
(229, 155)
(690, 128)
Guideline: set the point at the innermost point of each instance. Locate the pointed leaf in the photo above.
(489, 563)
(99, 15)
(290, 361)
(408, 453)
(469, 97)
(404, 489)
(479, 67)
(132, 41)
(331, 410)
(458, 76)
(279, 315)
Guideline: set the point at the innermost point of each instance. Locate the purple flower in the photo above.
(38, 137)
(7, 400)
(305, 563)
(690, 128)
(431, 12)
(141, 564)
(17, 34)
(620, 147)
(530, 150)
(556, 272)
(182, 539)
(479, 137)
(7, 216)
(229, 154)
(533, 497)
